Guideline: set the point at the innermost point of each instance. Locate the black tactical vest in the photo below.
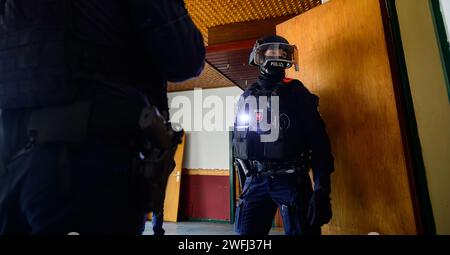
(247, 144)
(40, 57)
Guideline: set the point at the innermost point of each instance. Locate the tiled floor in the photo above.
(200, 228)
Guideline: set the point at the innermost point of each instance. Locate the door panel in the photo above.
(172, 200)
(344, 60)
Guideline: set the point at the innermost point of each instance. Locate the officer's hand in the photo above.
(319, 211)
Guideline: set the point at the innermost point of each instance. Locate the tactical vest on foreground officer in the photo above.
(78, 152)
(278, 170)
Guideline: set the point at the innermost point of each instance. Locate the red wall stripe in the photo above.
(205, 197)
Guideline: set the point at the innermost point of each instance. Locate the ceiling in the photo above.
(210, 78)
(212, 13)
(231, 60)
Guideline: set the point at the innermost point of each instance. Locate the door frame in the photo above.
(232, 177)
(407, 117)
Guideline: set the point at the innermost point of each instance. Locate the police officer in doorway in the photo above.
(75, 76)
(277, 170)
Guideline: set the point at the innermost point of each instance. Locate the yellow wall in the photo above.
(431, 103)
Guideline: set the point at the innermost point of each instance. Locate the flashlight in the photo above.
(244, 118)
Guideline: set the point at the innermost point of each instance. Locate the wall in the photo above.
(430, 100)
(205, 185)
(206, 149)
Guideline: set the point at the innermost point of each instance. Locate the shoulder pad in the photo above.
(287, 80)
(294, 83)
(290, 81)
(306, 96)
(250, 90)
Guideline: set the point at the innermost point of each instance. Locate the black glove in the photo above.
(319, 211)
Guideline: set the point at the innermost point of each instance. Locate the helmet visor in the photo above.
(280, 52)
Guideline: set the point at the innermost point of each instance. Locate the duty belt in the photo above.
(276, 168)
(114, 119)
(105, 116)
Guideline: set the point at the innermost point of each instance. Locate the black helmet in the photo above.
(274, 52)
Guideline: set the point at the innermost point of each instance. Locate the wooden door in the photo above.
(344, 60)
(173, 186)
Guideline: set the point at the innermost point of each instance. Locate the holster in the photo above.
(155, 162)
(152, 174)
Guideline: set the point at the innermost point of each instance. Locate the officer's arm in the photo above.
(318, 141)
(170, 37)
(158, 97)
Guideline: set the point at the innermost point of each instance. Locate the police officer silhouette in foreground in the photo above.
(75, 77)
(277, 169)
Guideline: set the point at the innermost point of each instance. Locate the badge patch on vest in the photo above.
(259, 116)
